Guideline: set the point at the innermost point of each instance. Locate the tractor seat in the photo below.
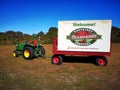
(35, 42)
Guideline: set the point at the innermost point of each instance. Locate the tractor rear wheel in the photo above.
(15, 53)
(42, 51)
(28, 53)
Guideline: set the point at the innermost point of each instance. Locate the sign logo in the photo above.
(83, 36)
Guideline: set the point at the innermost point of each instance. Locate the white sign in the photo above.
(87, 35)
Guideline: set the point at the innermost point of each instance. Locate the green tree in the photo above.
(41, 33)
(50, 35)
(115, 34)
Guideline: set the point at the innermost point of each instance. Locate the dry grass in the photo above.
(40, 74)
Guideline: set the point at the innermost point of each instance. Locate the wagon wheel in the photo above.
(56, 59)
(101, 61)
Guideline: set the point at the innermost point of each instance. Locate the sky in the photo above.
(33, 16)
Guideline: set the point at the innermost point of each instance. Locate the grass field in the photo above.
(40, 74)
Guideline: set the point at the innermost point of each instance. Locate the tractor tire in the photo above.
(42, 51)
(15, 53)
(101, 61)
(28, 53)
(56, 59)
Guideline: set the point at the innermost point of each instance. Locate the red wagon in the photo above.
(83, 40)
(58, 56)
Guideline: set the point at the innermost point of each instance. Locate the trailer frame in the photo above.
(58, 56)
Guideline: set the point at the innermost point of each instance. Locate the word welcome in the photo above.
(84, 24)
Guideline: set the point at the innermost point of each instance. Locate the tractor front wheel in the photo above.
(15, 53)
(28, 53)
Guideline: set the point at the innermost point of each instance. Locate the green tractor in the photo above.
(29, 50)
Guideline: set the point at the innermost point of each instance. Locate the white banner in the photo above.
(88, 35)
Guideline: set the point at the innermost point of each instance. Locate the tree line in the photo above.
(11, 37)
